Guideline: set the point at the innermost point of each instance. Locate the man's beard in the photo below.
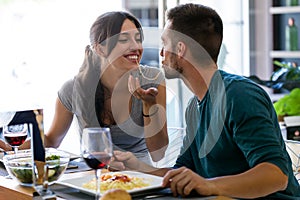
(174, 70)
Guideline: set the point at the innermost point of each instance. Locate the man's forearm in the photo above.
(262, 180)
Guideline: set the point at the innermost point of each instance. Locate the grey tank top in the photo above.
(78, 96)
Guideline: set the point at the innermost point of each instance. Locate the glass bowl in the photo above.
(19, 166)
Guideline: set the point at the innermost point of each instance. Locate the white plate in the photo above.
(155, 182)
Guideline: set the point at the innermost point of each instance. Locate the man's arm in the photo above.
(262, 180)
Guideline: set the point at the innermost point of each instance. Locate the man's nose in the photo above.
(161, 52)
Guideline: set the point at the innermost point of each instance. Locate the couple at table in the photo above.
(233, 144)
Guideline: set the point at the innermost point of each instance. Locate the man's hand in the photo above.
(183, 180)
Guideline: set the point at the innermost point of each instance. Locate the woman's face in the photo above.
(128, 50)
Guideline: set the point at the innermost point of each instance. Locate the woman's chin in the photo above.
(134, 66)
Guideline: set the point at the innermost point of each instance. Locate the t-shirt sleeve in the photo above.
(65, 94)
(255, 127)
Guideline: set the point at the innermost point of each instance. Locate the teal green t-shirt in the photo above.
(233, 129)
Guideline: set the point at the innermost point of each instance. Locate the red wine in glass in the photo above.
(97, 160)
(15, 139)
(96, 150)
(15, 135)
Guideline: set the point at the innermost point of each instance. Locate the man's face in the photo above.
(169, 60)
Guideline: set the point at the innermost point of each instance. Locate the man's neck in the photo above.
(197, 79)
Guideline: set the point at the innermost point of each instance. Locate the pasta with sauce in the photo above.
(117, 181)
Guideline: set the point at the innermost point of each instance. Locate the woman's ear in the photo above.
(101, 50)
(180, 48)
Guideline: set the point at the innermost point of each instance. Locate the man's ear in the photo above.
(180, 48)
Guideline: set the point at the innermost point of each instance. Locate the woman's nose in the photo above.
(134, 45)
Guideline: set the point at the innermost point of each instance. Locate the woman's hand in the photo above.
(128, 161)
(183, 180)
(148, 96)
(124, 161)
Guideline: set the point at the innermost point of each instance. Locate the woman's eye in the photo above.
(123, 40)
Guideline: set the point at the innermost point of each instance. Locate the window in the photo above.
(43, 42)
(42, 46)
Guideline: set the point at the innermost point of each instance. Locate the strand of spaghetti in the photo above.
(149, 79)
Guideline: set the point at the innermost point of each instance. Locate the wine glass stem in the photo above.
(98, 180)
(15, 150)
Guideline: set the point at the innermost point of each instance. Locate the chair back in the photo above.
(176, 135)
(293, 148)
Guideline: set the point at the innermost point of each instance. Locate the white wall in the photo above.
(42, 45)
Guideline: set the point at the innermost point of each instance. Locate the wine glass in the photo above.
(15, 135)
(96, 150)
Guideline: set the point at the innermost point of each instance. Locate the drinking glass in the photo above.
(15, 135)
(96, 150)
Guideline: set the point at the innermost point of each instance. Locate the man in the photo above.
(233, 144)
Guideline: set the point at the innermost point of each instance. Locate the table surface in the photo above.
(9, 189)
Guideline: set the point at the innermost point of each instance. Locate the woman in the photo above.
(113, 90)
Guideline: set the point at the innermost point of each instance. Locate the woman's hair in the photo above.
(107, 27)
(200, 23)
(105, 31)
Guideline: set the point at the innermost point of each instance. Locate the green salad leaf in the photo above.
(288, 104)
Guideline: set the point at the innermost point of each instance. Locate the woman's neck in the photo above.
(111, 76)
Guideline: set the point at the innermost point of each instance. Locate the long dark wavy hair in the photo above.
(105, 27)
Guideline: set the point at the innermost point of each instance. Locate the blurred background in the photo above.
(42, 45)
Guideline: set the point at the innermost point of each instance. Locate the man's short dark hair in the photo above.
(201, 24)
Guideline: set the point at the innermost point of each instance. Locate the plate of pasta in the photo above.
(131, 181)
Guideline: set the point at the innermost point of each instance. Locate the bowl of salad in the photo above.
(19, 166)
